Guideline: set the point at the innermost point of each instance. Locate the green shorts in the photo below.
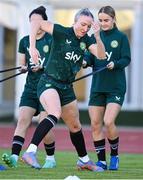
(67, 95)
(102, 99)
(31, 100)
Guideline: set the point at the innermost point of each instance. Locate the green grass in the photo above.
(131, 167)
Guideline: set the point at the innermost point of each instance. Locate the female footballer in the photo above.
(108, 87)
(55, 88)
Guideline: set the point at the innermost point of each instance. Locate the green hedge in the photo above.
(125, 118)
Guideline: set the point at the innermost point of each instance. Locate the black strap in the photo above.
(10, 77)
(92, 73)
(58, 81)
(10, 69)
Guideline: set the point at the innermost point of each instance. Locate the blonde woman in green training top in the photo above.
(55, 89)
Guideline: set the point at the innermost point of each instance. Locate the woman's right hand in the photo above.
(23, 69)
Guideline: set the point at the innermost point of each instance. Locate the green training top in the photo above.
(43, 46)
(66, 54)
(117, 50)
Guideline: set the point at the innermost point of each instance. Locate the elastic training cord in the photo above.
(92, 73)
(2, 80)
(80, 78)
(10, 69)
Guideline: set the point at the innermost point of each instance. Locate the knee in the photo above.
(95, 126)
(75, 127)
(108, 123)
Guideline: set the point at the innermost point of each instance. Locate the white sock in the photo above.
(52, 158)
(15, 156)
(32, 148)
(84, 159)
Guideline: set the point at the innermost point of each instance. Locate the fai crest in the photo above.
(46, 49)
(114, 44)
(82, 46)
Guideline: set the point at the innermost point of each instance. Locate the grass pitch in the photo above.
(131, 167)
